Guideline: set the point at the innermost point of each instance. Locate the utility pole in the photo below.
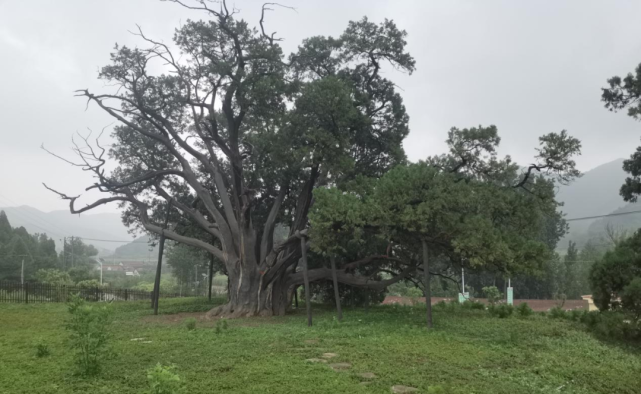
(72, 262)
(161, 248)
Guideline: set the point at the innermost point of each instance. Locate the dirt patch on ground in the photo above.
(204, 321)
(536, 305)
(176, 318)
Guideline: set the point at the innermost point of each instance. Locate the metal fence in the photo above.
(31, 292)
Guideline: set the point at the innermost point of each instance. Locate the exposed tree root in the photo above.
(229, 312)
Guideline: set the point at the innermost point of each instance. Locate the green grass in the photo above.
(467, 352)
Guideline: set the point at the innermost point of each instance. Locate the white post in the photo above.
(462, 295)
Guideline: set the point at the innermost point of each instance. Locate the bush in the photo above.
(492, 294)
(557, 313)
(467, 304)
(162, 380)
(631, 297)
(89, 284)
(42, 349)
(190, 324)
(89, 327)
(52, 276)
(576, 314)
(221, 325)
(524, 310)
(612, 325)
(502, 311)
(590, 319)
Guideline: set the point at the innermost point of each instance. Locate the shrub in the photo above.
(190, 324)
(42, 349)
(504, 311)
(52, 276)
(557, 313)
(467, 304)
(576, 314)
(524, 310)
(162, 380)
(492, 294)
(221, 325)
(613, 325)
(89, 327)
(590, 318)
(441, 305)
(89, 284)
(631, 297)
(501, 311)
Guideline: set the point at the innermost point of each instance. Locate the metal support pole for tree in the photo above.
(211, 275)
(428, 293)
(211, 272)
(161, 248)
(336, 293)
(308, 304)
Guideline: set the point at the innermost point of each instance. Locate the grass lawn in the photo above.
(467, 352)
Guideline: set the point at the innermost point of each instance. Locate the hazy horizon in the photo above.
(528, 68)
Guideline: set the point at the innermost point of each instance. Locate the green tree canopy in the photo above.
(235, 135)
(472, 209)
(16, 245)
(619, 267)
(625, 93)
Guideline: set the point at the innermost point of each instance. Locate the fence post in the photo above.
(26, 293)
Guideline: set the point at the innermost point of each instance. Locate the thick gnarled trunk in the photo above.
(247, 298)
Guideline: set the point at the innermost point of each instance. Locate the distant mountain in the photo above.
(138, 249)
(101, 227)
(619, 223)
(595, 193)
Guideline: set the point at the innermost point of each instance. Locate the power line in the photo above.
(104, 240)
(602, 216)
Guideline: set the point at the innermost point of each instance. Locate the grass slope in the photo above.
(467, 352)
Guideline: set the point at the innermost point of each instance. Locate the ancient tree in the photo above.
(235, 136)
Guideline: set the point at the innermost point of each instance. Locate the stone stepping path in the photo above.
(367, 376)
(400, 389)
(340, 366)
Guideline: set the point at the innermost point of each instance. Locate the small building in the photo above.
(591, 306)
(112, 267)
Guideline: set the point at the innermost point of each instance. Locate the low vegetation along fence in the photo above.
(42, 292)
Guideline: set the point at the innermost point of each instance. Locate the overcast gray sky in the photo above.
(529, 67)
